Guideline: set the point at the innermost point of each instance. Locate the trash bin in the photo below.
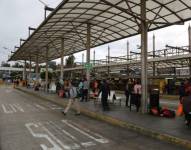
(154, 98)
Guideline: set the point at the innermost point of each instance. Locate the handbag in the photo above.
(179, 111)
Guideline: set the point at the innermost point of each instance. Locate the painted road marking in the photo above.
(5, 109)
(58, 141)
(19, 107)
(85, 131)
(83, 144)
(8, 90)
(55, 107)
(11, 108)
(14, 108)
(40, 106)
(40, 131)
(55, 146)
(33, 108)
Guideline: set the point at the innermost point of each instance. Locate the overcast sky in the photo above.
(17, 15)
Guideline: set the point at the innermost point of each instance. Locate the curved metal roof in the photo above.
(110, 20)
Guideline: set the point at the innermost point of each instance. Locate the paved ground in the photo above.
(169, 103)
(28, 123)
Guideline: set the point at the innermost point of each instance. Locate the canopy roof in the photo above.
(110, 20)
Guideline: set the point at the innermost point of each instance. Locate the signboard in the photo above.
(88, 66)
(167, 70)
(44, 70)
(182, 71)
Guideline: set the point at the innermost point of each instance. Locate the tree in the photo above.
(16, 74)
(17, 65)
(70, 61)
(5, 64)
(43, 74)
(52, 64)
(69, 64)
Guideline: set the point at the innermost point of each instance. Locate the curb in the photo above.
(169, 97)
(123, 124)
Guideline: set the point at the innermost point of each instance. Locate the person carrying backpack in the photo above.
(80, 87)
(105, 92)
(72, 100)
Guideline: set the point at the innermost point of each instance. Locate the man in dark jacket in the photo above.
(187, 107)
(181, 91)
(105, 91)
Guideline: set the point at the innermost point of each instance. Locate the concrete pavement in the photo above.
(170, 101)
(171, 130)
(28, 123)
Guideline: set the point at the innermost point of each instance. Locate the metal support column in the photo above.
(189, 38)
(94, 58)
(128, 58)
(46, 73)
(37, 68)
(94, 63)
(108, 61)
(62, 61)
(154, 69)
(24, 71)
(30, 66)
(88, 46)
(144, 38)
(82, 63)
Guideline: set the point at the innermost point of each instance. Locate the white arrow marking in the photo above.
(100, 140)
(39, 135)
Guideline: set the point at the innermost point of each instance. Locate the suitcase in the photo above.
(61, 93)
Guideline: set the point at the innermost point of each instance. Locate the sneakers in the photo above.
(77, 114)
(64, 113)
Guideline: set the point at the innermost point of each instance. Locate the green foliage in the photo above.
(17, 65)
(52, 64)
(70, 61)
(4, 64)
(43, 74)
(16, 74)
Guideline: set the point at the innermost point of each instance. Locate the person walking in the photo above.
(137, 92)
(127, 92)
(85, 90)
(105, 92)
(80, 87)
(95, 88)
(72, 100)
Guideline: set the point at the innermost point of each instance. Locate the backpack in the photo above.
(168, 113)
(73, 92)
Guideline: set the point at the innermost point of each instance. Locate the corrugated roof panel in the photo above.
(110, 20)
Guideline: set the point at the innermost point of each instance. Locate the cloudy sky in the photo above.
(17, 15)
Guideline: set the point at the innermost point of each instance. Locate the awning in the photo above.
(110, 20)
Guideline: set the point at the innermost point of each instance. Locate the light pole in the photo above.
(46, 8)
(31, 29)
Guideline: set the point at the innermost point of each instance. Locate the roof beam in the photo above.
(138, 24)
(121, 9)
(174, 13)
